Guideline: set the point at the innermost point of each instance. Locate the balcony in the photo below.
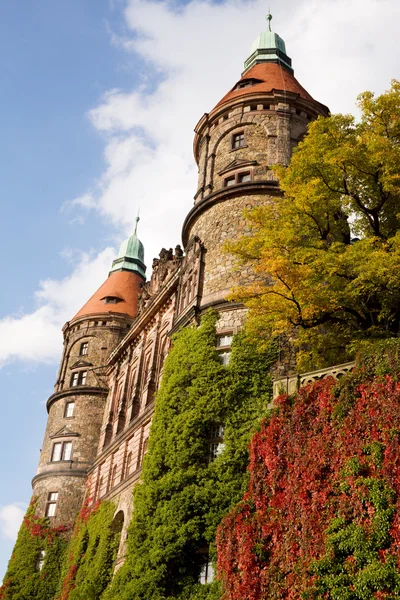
(290, 384)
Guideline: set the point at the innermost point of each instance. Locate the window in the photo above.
(243, 177)
(206, 572)
(224, 358)
(244, 84)
(84, 349)
(78, 378)
(238, 140)
(51, 504)
(111, 300)
(61, 451)
(69, 410)
(40, 560)
(225, 340)
(229, 181)
(216, 446)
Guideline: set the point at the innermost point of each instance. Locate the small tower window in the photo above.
(78, 378)
(238, 140)
(229, 181)
(51, 504)
(40, 560)
(243, 177)
(61, 451)
(224, 358)
(84, 348)
(69, 410)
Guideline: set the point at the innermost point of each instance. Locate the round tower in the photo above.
(75, 409)
(255, 125)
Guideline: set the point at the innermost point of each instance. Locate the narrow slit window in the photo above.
(51, 504)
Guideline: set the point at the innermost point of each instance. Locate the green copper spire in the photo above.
(131, 255)
(268, 47)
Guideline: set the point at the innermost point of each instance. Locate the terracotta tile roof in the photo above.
(272, 77)
(120, 284)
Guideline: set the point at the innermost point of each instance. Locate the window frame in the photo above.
(241, 137)
(83, 350)
(237, 176)
(78, 378)
(67, 408)
(63, 449)
(51, 504)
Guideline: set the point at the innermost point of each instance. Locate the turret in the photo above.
(254, 126)
(75, 409)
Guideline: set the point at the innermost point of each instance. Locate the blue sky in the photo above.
(99, 101)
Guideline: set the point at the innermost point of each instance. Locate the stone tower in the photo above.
(255, 125)
(76, 408)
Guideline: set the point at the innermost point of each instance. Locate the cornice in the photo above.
(270, 188)
(76, 391)
(315, 108)
(152, 308)
(61, 473)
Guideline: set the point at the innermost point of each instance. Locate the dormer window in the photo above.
(244, 83)
(111, 300)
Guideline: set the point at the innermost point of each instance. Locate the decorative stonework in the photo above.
(290, 384)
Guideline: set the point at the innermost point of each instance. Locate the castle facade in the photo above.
(100, 413)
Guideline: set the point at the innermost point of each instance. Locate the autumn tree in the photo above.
(328, 251)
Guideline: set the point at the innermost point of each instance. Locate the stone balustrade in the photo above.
(290, 384)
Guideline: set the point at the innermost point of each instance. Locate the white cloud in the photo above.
(11, 516)
(186, 58)
(197, 51)
(36, 337)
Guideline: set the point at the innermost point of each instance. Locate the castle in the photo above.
(100, 412)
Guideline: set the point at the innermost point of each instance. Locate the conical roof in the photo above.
(268, 68)
(267, 76)
(118, 294)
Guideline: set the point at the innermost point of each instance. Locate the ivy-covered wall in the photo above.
(91, 554)
(321, 515)
(35, 566)
(184, 494)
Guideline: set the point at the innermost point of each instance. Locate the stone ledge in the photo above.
(61, 473)
(78, 390)
(269, 188)
(290, 384)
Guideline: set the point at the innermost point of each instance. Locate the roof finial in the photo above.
(269, 19)
(137, 221)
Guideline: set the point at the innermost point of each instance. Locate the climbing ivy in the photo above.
(320, 517)
(24, 578)
(184, 494)
(91, 553)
